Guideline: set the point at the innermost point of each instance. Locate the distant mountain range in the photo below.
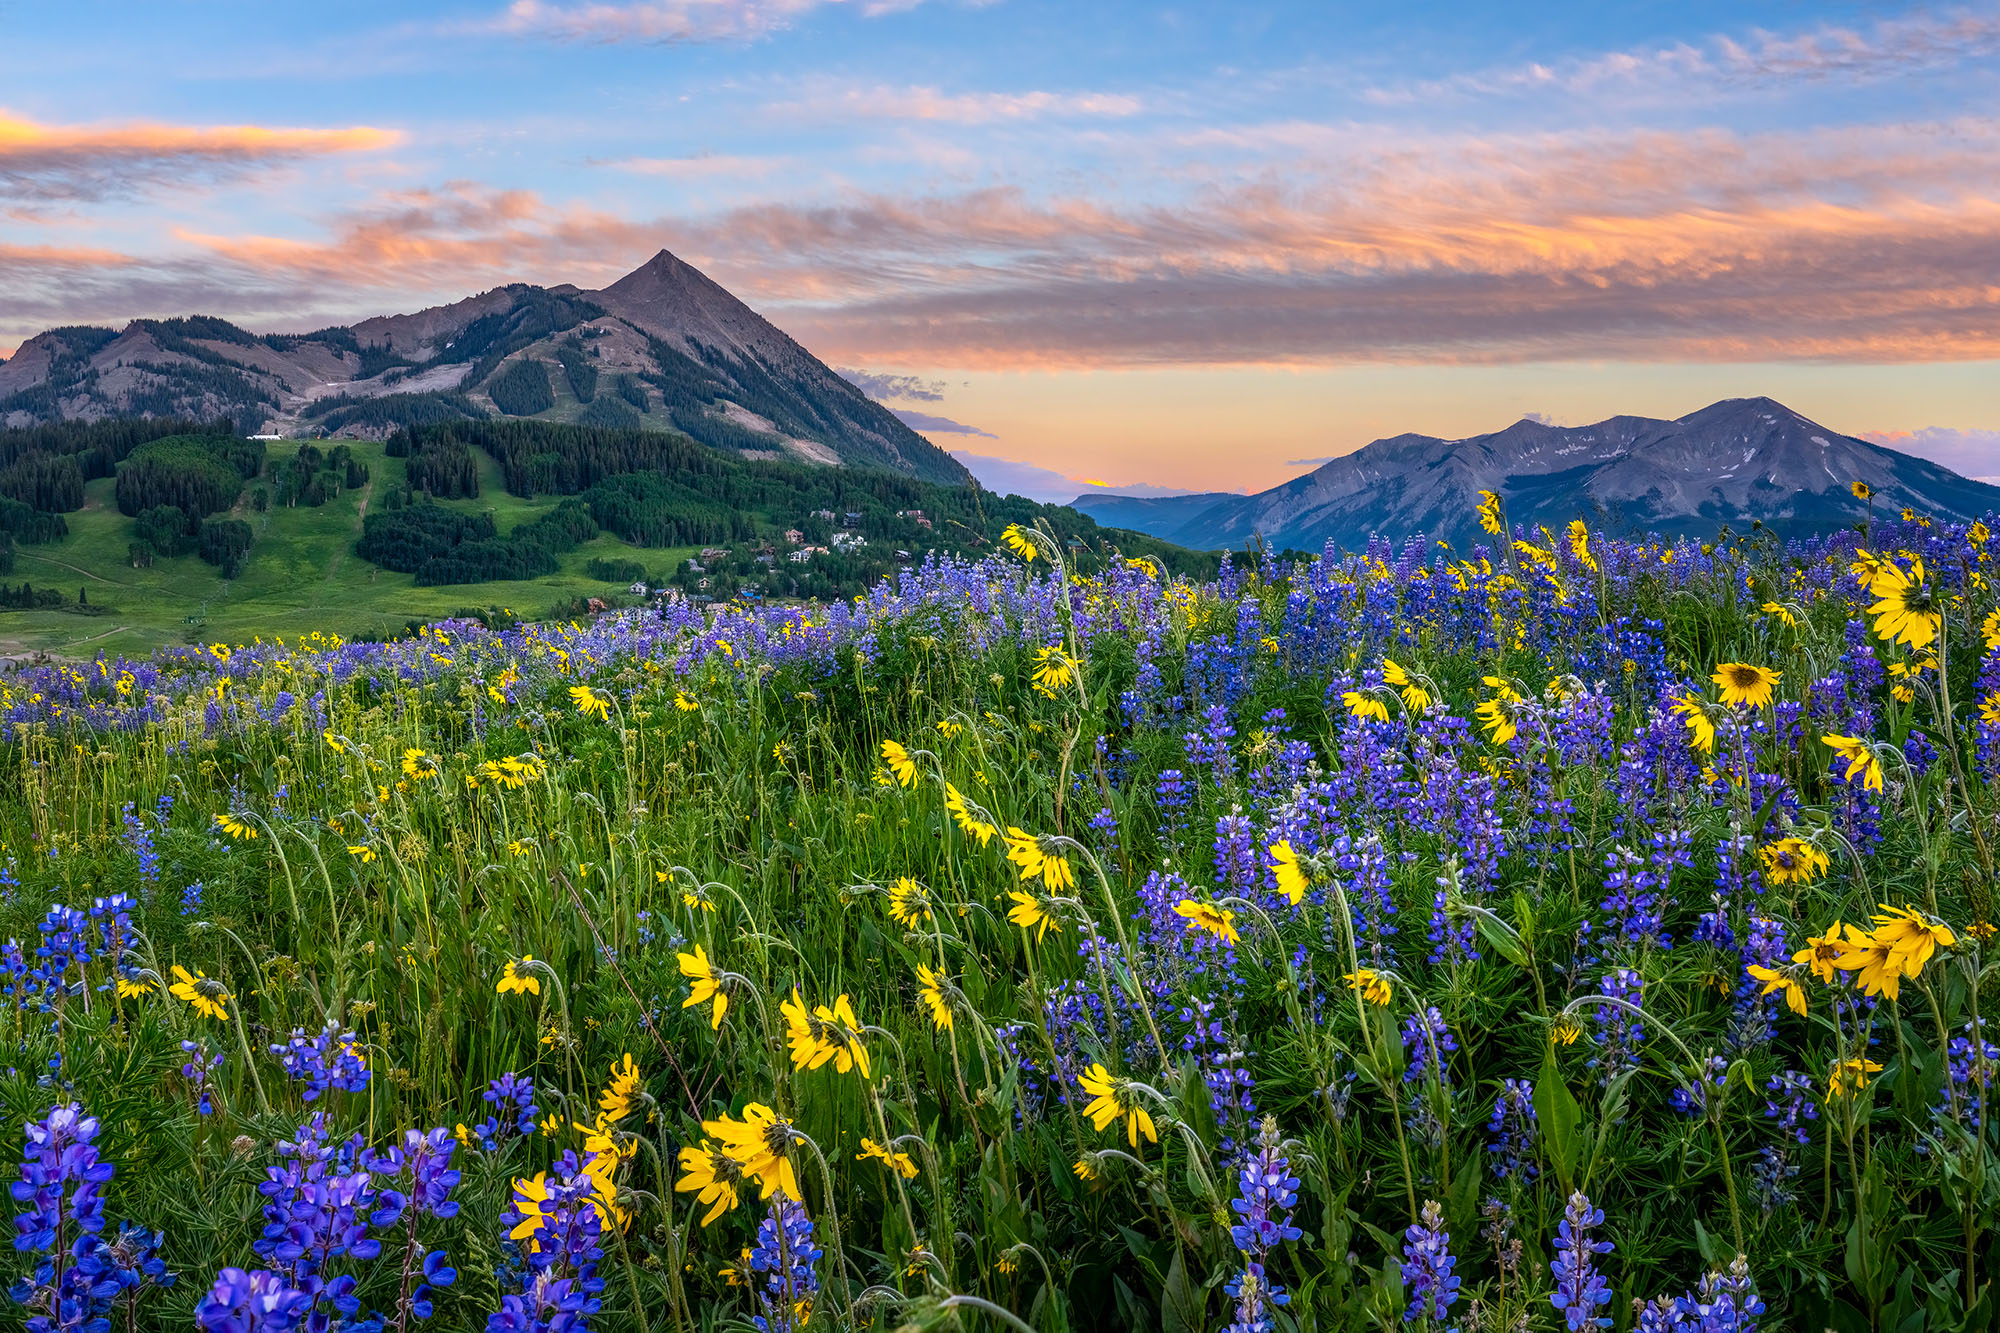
(663, 347)
(1738, 461)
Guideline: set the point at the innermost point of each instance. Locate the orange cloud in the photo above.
(46, 162)
(1872, 244)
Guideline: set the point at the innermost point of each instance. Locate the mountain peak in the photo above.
(665, 347)
(1737, 461)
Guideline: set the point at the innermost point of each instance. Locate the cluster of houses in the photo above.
(799, 551)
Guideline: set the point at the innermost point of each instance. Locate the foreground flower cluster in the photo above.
(1569, 933)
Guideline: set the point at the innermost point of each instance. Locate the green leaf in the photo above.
(1559, 1115)
(1462, 1201)
(1197, 1110)
(1183, 1305)
(1502, 937)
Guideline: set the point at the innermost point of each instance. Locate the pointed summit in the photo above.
(663, 348)
(671, 298)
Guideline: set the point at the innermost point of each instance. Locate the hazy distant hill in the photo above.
(1736, 461)
(662, 347)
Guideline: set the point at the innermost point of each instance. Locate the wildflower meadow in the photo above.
(1564, 933)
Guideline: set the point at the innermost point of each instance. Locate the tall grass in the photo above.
(1325, 946)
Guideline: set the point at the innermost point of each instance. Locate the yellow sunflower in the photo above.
(1037, 862)
(1745, 684)
(1792, 861)
(1292, 880)
(897, 757)
(1365, 706)
(1217, 921)
(760, 1143)
(712, 1176)
(1822, 954)
(969, 824)
(1877, 969)
(1775, 980)
(705, 980)
(205, 993)
(930, 992)
(1033, 912)
(1849, 1076)
(908, 903)
(1113, 1099)
(1701, 728)
(517, 978)
(1054, 670)
(1374, 987)
(621, 1098)
(1911, 936)
(1860, 758)
(899, 1162)
(1415, 697)
(1907, 607)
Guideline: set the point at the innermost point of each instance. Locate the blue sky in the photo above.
(1180, 245)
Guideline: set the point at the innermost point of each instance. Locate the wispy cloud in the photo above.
(910, 387)
(666, 22)
(883, 102)
(40, 162)
(1974, 453)
(1891, 47)
(700, 166)
(936, 425)
(1011, 476)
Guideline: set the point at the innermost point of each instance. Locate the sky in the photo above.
(1082, 243)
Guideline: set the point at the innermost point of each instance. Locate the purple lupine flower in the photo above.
(1580, 1288)
(1724, 1302)
(252, 1302)
(1770, 1179)
(60, 1179)
(1618, 1034)
(1426, 1043)
(788, 1259)
(1427, 1265)
(419, 1179)
(1513, 1129)
(563, 1252)
(197, 1071)
(1267, 1193)
(514, 1111)
(326, 1062)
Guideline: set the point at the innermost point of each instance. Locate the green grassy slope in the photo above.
(302, 574)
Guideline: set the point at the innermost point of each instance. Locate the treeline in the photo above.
(52, 483)
(648, 509)
(166, 531)
(397, 411)
(43, 468)
(552, 458)
(522, 389)
(198, 474)
(99, 446)
(30, 526)
(442, 546)
(28, 597)
(443, 467)
(313, 476)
